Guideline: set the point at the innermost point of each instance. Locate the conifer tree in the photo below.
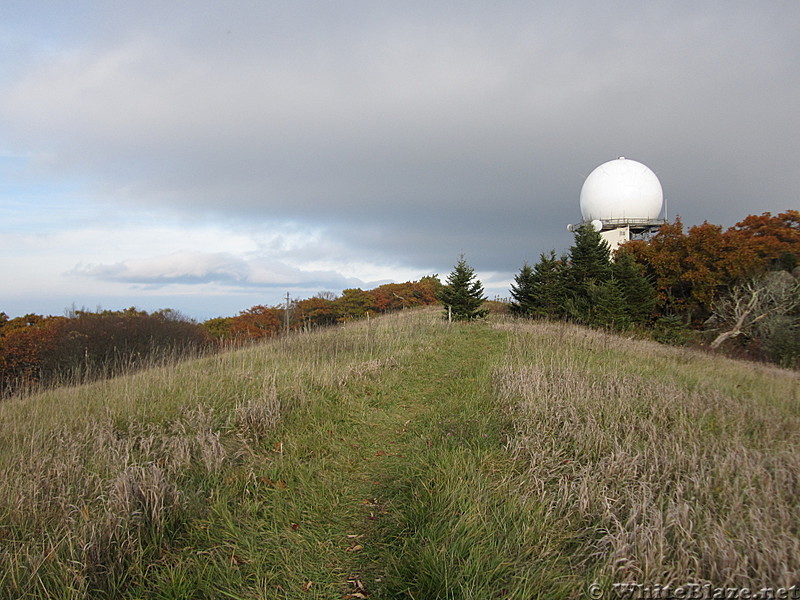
(548, 286)
(589, 266)
(608, 305)
(590, 257)
(638, 293)
(523, 292)
(537, 290)
(463, 293)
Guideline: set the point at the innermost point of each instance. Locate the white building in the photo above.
(622, 199)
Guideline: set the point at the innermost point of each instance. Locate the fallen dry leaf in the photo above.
(269, 482)
(357, 584)
(356, 548)
(307, 585)
(295, 526)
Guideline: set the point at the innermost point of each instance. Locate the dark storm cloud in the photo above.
(414, 132)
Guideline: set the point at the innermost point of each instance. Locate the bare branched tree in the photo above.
(751, 303)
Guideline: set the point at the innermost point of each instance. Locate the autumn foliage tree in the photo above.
(314, 312)
(355, 303)
(86, 344)
(323, 309)
(692, 269)
(256, 322)
(25, 343)
(37, 349)
(396, 296)
(772, 242)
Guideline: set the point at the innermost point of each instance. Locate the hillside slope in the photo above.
(403, 457)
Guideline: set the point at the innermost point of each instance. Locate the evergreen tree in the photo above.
(523, 292)
(638, 293)
(590, 257)
(537, 290)
(463, 293)
(548, 282)
(589, 266)
(608, 305)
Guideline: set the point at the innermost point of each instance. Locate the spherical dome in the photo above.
(621, 189)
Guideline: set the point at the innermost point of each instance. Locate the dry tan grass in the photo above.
(654, 464)
(669, 477)
(87, 505)
(93, 476)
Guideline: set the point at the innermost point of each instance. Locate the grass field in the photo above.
(404, 457)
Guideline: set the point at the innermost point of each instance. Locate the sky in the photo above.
(209, 156)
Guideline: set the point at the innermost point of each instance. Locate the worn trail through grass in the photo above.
(403, 457)
(358, 477)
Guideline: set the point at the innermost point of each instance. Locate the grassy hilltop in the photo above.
(404, 457)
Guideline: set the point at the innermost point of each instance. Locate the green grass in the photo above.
(403, 457)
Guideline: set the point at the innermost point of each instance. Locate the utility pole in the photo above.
(286, 314)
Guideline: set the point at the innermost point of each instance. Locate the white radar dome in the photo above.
(621, 189)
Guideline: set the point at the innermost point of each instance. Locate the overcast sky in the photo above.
(210, 156)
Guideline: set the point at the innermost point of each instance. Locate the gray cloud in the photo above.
(413, 132)
(191, 268)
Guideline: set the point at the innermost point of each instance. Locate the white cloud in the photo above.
(197, 267)
(181, 267)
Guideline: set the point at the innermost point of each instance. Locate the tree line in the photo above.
(735, 288)
(88, 345)
(706, 284)
(324, 309)
(85, 345)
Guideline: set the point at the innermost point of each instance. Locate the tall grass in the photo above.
(672, 467)
(99, 480)
(404, 457)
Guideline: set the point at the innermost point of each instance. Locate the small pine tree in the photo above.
(548, 286)
(537, 290)
(590, 257)
(589, 266)
(463, 293)
(638, 293)
(608, 306)
(523, 292)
